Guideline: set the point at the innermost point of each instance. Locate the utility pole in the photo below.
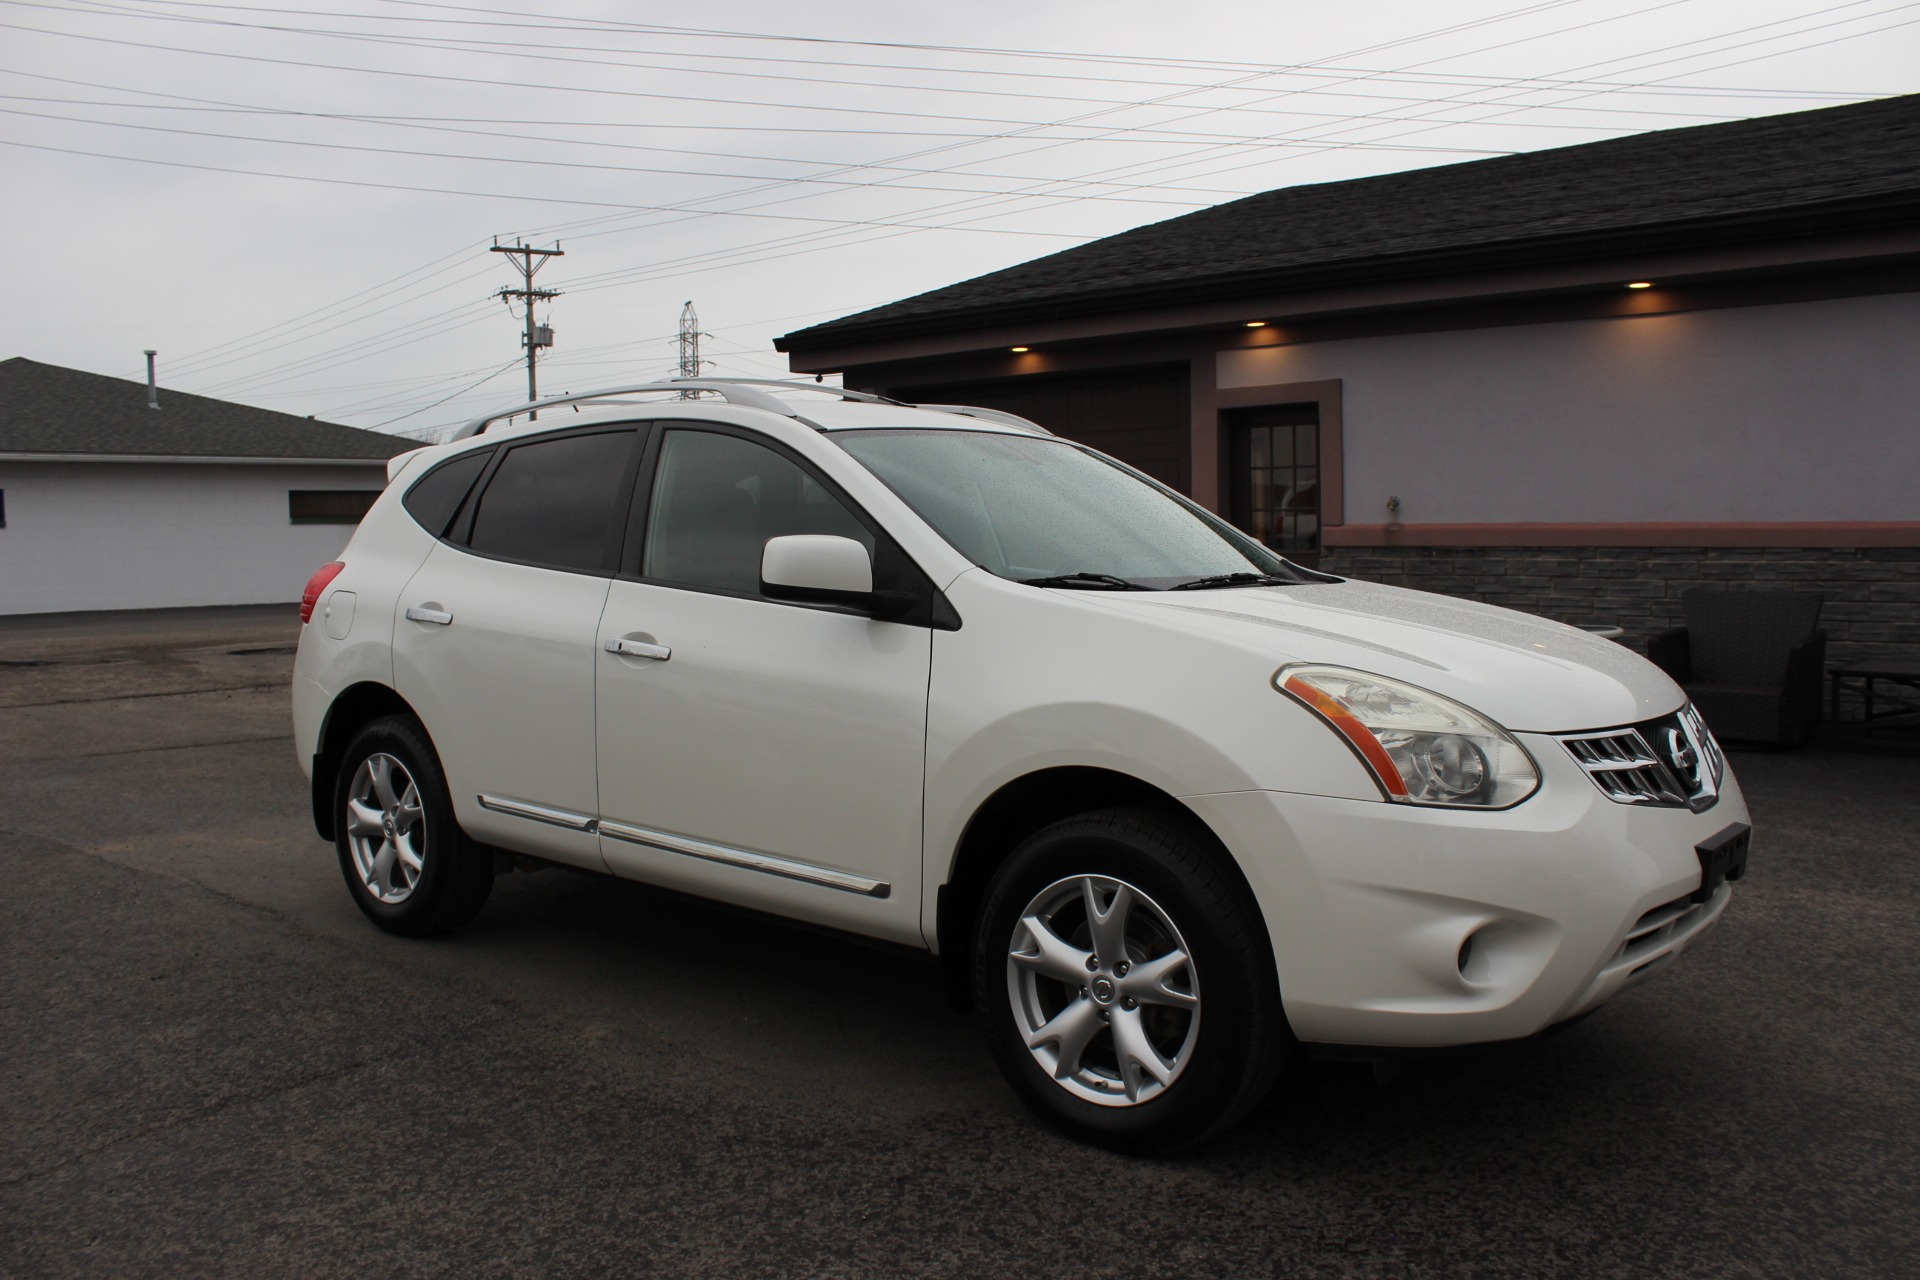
(690, 336)
(528, 263)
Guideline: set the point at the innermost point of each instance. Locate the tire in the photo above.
(406, 861)
(1212, 1022)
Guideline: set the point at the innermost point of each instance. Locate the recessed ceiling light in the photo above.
(1017, 350)
(1256, 324)
(1641, 284)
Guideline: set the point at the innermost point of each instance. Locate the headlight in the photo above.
(1421, 748)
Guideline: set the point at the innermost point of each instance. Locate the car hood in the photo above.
(1528, 673)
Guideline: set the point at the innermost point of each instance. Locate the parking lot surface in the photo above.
(211, 1065)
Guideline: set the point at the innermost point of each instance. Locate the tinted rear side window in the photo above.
(557, 502)
(439, 493)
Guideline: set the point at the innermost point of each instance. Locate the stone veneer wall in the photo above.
(1872, 594)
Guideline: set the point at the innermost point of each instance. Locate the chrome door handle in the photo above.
(638, 649)
(419, 613)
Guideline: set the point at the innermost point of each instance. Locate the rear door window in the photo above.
(558, 502)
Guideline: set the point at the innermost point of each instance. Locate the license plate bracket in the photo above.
(1723, 856)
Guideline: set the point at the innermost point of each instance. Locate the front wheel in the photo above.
(408, 864)
(1123, 977)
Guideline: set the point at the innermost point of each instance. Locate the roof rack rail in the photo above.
(733, 390)
(844, 393)
(742, 391)
(1000, 416)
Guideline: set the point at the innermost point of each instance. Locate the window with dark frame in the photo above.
(437, 497)
(556, 502)
(717, 499)
(329, 506)
(1274, 468)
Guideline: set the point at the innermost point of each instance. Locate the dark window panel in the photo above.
(437, 496)
(556, 502)
(329, 506)
(1274, 475)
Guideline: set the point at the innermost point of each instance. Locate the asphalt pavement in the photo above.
(211, 1065)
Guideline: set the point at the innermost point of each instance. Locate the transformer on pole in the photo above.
(528, 262)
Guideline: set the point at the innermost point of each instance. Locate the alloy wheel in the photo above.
(386, 828)
(1104, 991)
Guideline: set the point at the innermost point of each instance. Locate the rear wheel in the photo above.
(407, 863)
(1123, 978)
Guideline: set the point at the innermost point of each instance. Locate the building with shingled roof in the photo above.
(1575, 381)
(109, 502)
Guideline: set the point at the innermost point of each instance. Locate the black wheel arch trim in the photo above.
(1016, 809)
(354, 706)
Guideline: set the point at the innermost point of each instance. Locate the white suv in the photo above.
(1167, 806)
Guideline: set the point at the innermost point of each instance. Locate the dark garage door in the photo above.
(1139, 416)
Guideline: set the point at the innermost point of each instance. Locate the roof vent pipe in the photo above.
(153, 388)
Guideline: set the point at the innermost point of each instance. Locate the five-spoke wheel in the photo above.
(1104, 990)
(385, 828)
(1101, 939)
(406, 860)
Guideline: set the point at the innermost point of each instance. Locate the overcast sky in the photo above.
(293, 201)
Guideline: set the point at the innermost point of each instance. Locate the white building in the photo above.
(109, 503)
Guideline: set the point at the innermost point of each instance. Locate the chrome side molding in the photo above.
(724, 854)
(538, 812)
(732, 857)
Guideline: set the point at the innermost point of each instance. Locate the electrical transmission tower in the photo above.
(690, 336)
(528, 263)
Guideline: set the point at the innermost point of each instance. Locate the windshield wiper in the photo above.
(1086, 582)
(1241, 579)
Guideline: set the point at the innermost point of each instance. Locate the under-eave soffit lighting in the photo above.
(1641, 284)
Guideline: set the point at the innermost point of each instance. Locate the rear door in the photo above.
(494, 639)
(766, 753)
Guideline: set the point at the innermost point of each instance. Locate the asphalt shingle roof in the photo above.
(1804, 171)
(45, 408)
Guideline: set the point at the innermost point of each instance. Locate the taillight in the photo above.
(315, 585)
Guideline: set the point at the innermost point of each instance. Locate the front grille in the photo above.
(1672, 762)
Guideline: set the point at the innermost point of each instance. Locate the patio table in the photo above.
(1902, 673)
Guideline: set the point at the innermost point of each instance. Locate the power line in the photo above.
(1546, 6)
(522, 50)
(497, 195)
(869, 229)
(443, 399)
(603, 27)
(549, 164)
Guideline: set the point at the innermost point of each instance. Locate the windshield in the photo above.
(1045, 511)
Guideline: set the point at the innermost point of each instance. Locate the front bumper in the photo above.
(1399, 926)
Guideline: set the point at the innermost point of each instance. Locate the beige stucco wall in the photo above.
(1800, 411)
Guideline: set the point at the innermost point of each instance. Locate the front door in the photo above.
(494, 641)
(764, 753)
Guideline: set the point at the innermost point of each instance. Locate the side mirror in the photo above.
(816, 568)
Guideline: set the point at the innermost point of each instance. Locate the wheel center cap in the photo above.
(388, 823)
(1102, 990)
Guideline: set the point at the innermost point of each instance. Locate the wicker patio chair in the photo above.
(1750, 660)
